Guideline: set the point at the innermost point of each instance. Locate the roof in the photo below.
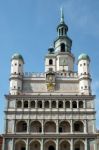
(83, 56)
(17, 56)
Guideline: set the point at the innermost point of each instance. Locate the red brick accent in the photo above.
(1, 141)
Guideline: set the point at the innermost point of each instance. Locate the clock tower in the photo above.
(60, 57)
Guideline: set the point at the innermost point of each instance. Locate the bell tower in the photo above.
(60, 57)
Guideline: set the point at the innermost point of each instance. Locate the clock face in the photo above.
(63, 61)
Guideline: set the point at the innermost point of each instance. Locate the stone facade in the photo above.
(53, 110)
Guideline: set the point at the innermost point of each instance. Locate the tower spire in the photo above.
(62, 15)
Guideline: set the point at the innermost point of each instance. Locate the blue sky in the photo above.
(29, 27)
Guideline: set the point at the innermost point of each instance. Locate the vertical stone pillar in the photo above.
(14, 126)
(28, 126)
(64, 104)
(86, 144)
(57, 145)
(27, 144)
(42, 127)
(77, 104)
(43, 104)
(13, 145)
(42, 144)
(57, 126)
(71, 146)
(85, 126)
(71, 126)
(3, 146)
(70, 104)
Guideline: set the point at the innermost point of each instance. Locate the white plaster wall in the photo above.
(83, 68)
(85, 86)
(16, 68)
(69, 63)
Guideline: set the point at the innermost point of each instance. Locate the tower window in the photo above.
(19, 64)
(85, 87)
(62, 47)
(50, 61)
(62, 31)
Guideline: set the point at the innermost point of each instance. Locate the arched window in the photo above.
(64, 126)
(67, 104)
(78, 126)
(50, 126)
(20, 145)
(74, 104)
(39, 104)
(19, 104)
(21, 126)
(26, 104)
(53, 104)
(46, 104)
(80, 104)
(60, 104)
(62, 47)
(35, 126)
(32, 104)
(50, 62)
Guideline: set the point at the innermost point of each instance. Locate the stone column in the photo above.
(77, 104)
(86, 144)
(42, 144)
(28, 126)
(71, 146)
(85, 126)
(3, 146)
(57, 126)
(13, 145)
(57, 146)
(71, 126)
(70, 104)
(64, 104)
(42, 126)
(27, 144)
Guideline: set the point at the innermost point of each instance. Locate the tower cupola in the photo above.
(62, 27)
(16, 75)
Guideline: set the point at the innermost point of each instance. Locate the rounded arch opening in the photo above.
(67, 104)
(19, 104)
(50, 126)
(35, 127)
(60, 104)
(80, 104)
(62, 47)
(26, 104)
(50, 62)
(78, 126)
(39, 104)
(20, 145)
(21, 126)
(46, 104)
(35, 145)
(74, 104)
(50, 145)
(32, 104)
(64, 145)
(64, 126)
(53, 104)
(79, 145)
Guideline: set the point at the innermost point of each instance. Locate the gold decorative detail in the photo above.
(50, 86)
